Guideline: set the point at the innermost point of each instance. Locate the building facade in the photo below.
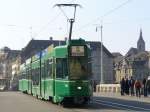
(15, 73)
(7, 56)
(135, 63)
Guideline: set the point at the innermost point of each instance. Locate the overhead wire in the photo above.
(86, 25)
(69, 2)
(116, 8)
(64, 13)
(51, 21)
(45, 26)
(106, 14)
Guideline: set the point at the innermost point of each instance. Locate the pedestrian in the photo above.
(138, 88)
(122, 84)
(127, 86)
(144, 87)
(94, 85)
(131, 84)
(148, 85)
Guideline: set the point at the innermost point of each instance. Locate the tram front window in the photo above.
(78, 68)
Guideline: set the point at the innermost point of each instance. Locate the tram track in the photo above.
(109, 105)
(119, 105)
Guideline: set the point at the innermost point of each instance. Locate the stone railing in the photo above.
(108, 88)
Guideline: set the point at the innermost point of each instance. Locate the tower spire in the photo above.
(141, 42)
(141, 33)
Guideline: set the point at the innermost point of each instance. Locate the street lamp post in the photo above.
(102, 77)
(101, 54)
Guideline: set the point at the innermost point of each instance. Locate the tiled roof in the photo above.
(95, 45)
(116, 54)
(132, 51)
(118, 59)
(139, 56)
(35, 46)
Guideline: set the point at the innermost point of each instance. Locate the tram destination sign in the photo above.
(77, 51)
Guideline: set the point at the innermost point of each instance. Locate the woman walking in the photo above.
(138, 88)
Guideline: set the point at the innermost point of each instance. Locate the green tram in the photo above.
(61, 74)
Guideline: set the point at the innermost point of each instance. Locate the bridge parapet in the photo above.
(108, 88)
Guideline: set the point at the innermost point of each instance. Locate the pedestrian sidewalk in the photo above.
(125, 97)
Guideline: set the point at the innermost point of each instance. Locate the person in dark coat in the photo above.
(131, 84)
(148, 85)
(127, 86)
(144, 87)
(122, 84)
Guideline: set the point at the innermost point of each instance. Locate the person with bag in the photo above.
(138, 88)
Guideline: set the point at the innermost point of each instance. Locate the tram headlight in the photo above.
(79, 88)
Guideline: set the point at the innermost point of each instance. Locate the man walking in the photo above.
(127, 86)
(122, 84)
(144, 87)
(131, 84)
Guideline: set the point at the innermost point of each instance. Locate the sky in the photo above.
(23, 20)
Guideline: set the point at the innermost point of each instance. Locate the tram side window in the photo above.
(36, 75)
(49, 68)
(30, 73)
(61, 68)
(42, 71)
(23, 75)
(33, 76)
(27, 73)
(45, 70)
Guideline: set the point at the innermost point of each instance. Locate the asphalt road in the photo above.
(123, 104)
(19, 102)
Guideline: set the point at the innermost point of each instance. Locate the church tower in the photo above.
(141, 43)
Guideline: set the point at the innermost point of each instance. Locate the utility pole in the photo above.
(101, 54)
(102, 77)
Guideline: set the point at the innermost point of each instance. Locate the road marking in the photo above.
(122, 105)
(114, 106)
